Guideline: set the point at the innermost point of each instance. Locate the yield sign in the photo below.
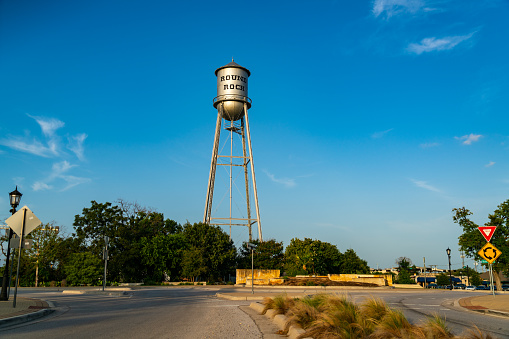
(15, 222)
(487, 231)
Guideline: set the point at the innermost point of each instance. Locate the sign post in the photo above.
(252, 247)
(22, 223)
(489, 252)
(105, 257)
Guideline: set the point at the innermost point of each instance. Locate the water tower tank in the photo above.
(232, 90)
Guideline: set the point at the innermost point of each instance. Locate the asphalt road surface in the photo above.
(186, 312)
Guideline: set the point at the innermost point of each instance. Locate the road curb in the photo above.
(118, 293)
(281, 321)
(465, 304)
(19, 319)
(243, 298)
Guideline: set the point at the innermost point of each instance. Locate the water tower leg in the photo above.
(255, 192)
(244, 154)
(213, 165)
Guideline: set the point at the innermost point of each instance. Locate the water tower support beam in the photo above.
(213, 163)
(243, 129)
(255, 192)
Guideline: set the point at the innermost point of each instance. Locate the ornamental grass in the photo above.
(326, 316)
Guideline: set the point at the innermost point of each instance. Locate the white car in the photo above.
(470, 288)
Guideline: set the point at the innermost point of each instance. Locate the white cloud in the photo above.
(424, 184)
(51, 147)
(60, 167)
(491, 163)
(58, 172)
(289, 183)
(33, 147)
(430, 144)
(390, 8)
(469, 138)
(73, 181)
(48, 125)
(76, 145)
(437, 44)
(378, 135)
(41, 186)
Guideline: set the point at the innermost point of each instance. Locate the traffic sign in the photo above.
(15, 222)
(490, 253)
(487, 231)
(26, 244)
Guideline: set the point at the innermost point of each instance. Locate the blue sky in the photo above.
(371, 120)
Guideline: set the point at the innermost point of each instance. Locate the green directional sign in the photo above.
(484, 261)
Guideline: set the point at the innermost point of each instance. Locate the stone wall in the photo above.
(380, 280)
(261, 277)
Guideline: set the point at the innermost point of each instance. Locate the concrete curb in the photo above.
(117, 293)
(23, 318)
(458, 303)
(280, 320)
(243, 298)
(317, 287)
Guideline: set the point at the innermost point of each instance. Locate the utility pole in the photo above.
(105, 257)
(424, 262)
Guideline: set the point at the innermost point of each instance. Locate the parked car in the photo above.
(432, 286)
(459, 286)
(505, 287)
(481, 287)
(470, 288)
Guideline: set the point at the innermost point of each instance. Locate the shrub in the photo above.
(280, 303)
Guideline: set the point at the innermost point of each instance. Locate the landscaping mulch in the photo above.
(323, 281)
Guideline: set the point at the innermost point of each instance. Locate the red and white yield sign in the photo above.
(15, 222)
(487, 231)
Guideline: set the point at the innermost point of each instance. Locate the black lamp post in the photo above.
(448, 250)
(14, 198)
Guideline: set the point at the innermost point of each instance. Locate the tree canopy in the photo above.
(268, 254)
(317, 257)
(144, 246)
(471, 240)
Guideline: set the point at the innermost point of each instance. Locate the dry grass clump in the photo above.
(475, 333)
(325, 316)
(280, 303)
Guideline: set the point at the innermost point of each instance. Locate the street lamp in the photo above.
(14, 198)
(448, 250)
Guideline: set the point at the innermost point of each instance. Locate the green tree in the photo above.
(45, 252)
(468, 272)
(311, 257)
(443, 279)
(352, 264)
(194, 264)
(471, 240)
(475, 279)
(125, 226)
(163, 255)
(211, 252)
(404, 277)
(268, 254)
(84, 268)
(404, 263)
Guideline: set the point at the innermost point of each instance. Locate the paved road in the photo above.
(196, 313)
(146, 313)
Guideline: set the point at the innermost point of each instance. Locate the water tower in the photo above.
(232, 104)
